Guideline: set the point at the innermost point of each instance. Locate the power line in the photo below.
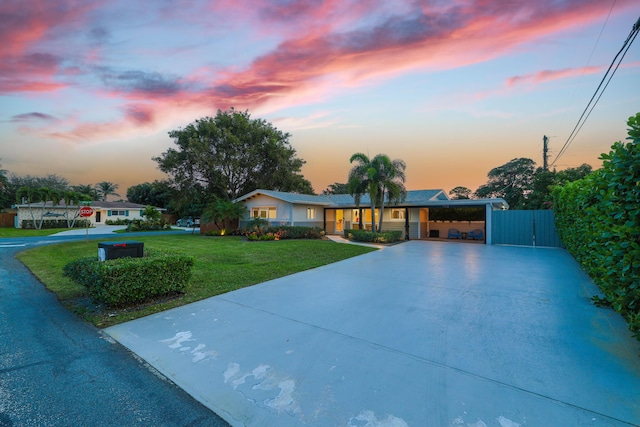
(598, 93)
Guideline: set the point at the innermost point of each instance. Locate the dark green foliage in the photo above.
(229, 155)
(296, 232)
(284, 232)
(27, 224)
(141, 225)
(371, 237)
(128, 281)
(598, 220)
(511, 182)
(156, 193)
(336, 188)
(457, 214)
(380, 177)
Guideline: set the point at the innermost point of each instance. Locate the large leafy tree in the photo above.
(105, 189)
(232, 154)
(156, 193)
(336, 188)
(512, 182)
(380, 177)
(459, 193)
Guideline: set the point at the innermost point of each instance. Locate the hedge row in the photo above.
(27, 224)
(128, 281)
(598, 220)
(371, 237)
(282, 232)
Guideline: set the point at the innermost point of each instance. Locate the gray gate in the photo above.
(525, 228)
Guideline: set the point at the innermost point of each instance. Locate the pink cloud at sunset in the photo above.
(117, 71)
(549, 75)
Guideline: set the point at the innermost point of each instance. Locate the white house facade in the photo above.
(103, 211)
(415, 216)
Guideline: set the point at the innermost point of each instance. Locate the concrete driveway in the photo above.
(418, 334)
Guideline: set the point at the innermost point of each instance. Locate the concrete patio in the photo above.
(417, 334)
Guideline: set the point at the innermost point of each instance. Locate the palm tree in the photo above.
(72, 198)
(105, 189)
(380, 177)
(88, 190)
(29, 195)
(223, 213)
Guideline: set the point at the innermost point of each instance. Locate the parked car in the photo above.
(188, 222)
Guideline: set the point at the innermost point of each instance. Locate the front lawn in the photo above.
(11, 232)
(223, 264)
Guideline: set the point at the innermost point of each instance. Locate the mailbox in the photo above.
(113, 250)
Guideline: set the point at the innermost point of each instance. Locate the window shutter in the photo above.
(141, 213)
(126, 213)
(108, 213)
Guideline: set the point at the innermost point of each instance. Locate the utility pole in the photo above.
(545, 152)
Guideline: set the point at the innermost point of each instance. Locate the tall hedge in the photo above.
(598, 220)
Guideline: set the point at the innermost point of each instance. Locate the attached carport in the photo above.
(433, 220)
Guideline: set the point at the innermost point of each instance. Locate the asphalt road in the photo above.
(56, 370)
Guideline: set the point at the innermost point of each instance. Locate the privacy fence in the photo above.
(524, 228)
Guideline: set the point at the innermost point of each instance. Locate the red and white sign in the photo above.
(86, 211)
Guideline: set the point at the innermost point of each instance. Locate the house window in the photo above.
(118, 213)
(311, 213)
(263, 212)
(367, 215)
(397, 213)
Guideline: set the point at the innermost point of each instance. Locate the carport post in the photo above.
(406, 224)
(488, 213)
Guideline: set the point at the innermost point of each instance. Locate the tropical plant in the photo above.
(223, 212)
(105, 189)
(73, 199)
(257, 223)
(151, 214)
(88, 190)
(29, 196)
(381, 178)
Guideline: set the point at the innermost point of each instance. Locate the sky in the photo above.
(90, 89)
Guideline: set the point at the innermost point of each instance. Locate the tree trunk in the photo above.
(373, 216)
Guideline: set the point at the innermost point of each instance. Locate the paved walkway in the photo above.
(418, 334)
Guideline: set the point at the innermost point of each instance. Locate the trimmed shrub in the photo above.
(128, 281)
(282, 232)
(143, 225)
(598, 220)
(371, 237)
(27, 224)
(295, 232)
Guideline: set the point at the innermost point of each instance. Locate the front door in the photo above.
(339, 221)
(97, 216)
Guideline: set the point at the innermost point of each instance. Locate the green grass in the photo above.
(9, 232)
(223, 264)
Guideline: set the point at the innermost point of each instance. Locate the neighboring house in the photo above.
(335, 213)
(103, 211)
